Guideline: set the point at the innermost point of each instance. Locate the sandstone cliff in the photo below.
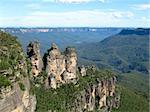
(14, 81)
(94, 92)
(75, 89)
(61, 68)
(82, 70)
(33, 52)
(100, 96)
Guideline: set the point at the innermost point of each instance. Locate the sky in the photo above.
(74, 13)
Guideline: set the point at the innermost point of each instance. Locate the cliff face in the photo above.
(33, 52)
(71, 62)
(16, 100)
(14, 81)
(100, 96)
(82, 70)
(61, 68)
(96, 91)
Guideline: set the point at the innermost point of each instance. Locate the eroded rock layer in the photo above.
(14, 81)
(97, 97)
(61, 68)
(33, 52)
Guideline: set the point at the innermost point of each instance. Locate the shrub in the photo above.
(22, 87)
(4, 82)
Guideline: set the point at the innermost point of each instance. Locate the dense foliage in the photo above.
(132, 102)
(127, 51)
(137, 82)
(62, 98)
(10, 55)
(134, 88)
(4, 82)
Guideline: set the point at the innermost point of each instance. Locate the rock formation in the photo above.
(15, 85)
(71, 65)
(60, 68)
(16, 100)
(100, 96)
(89, 94)
(33, 52)
(82, 70)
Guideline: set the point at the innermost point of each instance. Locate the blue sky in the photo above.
(72, 13)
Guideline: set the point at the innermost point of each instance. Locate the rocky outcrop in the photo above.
(55, 66)
(98, 97)
(14, 85)
(16, 97)
(71, 65)
(61, 68)
(16, 100)
(33, 52)
(82, 70)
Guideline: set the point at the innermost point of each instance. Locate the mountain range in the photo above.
(63, 37)
(126, 51)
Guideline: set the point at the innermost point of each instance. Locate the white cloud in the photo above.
(73, 1)
(145, 19)
(142, 6)
(126, 14)
(73, 18)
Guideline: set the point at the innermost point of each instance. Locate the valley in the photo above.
(111, 55)
(63, 37)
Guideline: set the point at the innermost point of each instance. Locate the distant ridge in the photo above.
(138, 31)
(126, 51)
(59, 29)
